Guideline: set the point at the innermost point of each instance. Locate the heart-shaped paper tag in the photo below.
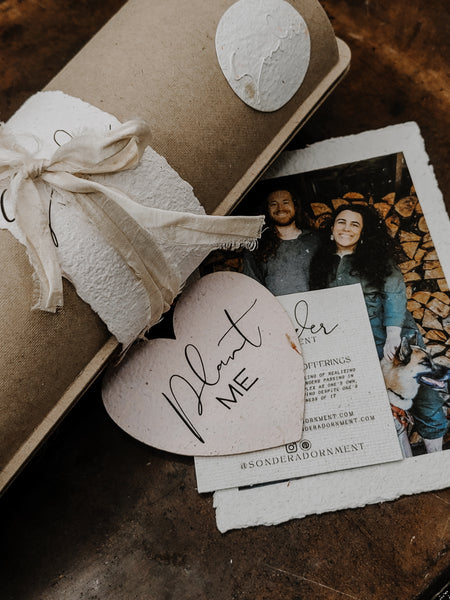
(232, 381)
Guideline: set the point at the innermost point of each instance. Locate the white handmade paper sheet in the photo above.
(101, 278)
(91, 202)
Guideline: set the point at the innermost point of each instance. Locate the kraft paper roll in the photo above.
(154, 60)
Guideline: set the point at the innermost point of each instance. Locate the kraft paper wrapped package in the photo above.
(154, 62)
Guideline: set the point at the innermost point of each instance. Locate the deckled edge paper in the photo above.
(48, 119)
(139, 249)
(277, 503)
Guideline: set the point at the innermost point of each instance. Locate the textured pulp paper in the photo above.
(214, 389)
(263, 48)
(421, 217)
(348, 421)
(100, 276)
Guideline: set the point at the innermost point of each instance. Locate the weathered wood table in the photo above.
(98, 515)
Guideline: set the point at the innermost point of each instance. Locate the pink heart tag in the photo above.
(232, 381)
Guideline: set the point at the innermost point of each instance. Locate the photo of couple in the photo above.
(362, 223)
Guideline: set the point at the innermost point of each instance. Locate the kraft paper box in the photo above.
(156, 61)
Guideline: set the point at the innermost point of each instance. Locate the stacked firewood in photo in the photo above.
(427, 289)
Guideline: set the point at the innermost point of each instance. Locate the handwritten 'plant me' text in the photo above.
(188, 390)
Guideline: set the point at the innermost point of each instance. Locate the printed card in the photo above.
(348, 421)
(387, 173)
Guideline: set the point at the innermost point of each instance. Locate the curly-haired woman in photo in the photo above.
(358, 249)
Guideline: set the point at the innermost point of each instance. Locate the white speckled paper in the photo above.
(263, 48)
(279, 502)
(100, 276)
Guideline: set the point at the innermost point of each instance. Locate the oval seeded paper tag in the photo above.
(231, 382)
(263, 48)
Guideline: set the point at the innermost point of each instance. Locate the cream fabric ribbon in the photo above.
(134, 230)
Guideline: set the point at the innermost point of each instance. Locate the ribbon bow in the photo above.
(131, 228)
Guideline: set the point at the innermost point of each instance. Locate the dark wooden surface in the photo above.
(96, 515)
